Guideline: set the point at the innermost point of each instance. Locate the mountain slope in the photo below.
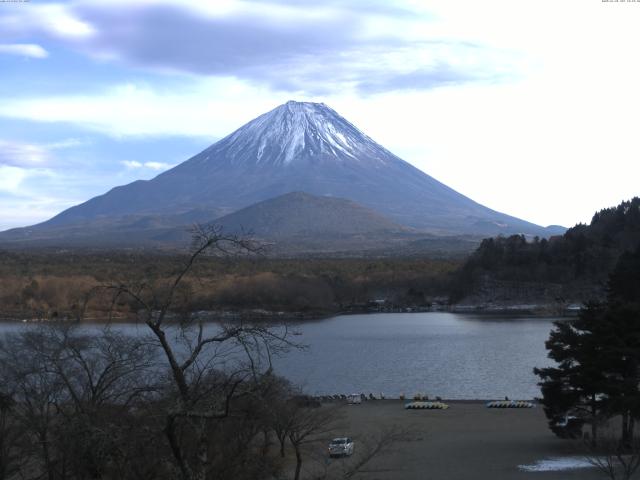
(292, 224)
(304, 147)
(299, 214)
(301, 224)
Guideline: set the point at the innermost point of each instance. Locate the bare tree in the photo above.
(10, 435)
(308, 425)
(104, 374)
(277, 411)
(97, 368)
(209, 365)
(614, 458)
(72, 390)
(36, 392)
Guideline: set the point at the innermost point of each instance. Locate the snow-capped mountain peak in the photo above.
(297, 132)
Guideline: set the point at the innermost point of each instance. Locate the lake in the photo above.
(456, 356)
(461, 356)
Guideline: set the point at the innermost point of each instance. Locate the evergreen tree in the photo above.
(621, 339)
(597, 375)
(576, 387)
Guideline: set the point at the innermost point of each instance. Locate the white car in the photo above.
(341, 447)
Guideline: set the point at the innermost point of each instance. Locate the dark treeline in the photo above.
(583, 256)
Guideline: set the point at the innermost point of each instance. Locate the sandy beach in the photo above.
(466, 441)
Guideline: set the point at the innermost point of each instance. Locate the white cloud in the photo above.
(201, 108)
(11, 178)
(291, 46)
(24, 49)
(157, 165)
(61, 20)
(47, 19)
(20, 211)
(32, 195)
(67, 143)
(22, 154)
(32, 156)
(133, 164)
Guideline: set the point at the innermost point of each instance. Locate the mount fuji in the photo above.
(296, 147)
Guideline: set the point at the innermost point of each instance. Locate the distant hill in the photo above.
(297, 147)
(572, 266)
(301, 224)
(299, 214)
(292, 224)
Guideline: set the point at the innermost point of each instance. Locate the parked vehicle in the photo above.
(341, 447)
(354, 399)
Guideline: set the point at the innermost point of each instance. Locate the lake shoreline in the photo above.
(448, 401)
(267, 316)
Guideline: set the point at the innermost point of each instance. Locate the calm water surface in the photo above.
(451, 355)
(461, 356)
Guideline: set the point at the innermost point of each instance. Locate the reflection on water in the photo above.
(460, 356)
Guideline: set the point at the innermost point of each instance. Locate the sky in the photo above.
(528, 107)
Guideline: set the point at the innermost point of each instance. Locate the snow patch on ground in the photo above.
(556, 464)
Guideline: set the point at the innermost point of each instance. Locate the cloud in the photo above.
(298, 46)
(32, 155)
(20, 210)
(24, 49)
(157, 165)
(49, 20)
(11, 178)
(16, 154)
(132, 164)
(193, 108)
(23, 197)
(67, 143)
(150, 165)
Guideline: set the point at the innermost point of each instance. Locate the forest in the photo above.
(61, 284)
(579, 261)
